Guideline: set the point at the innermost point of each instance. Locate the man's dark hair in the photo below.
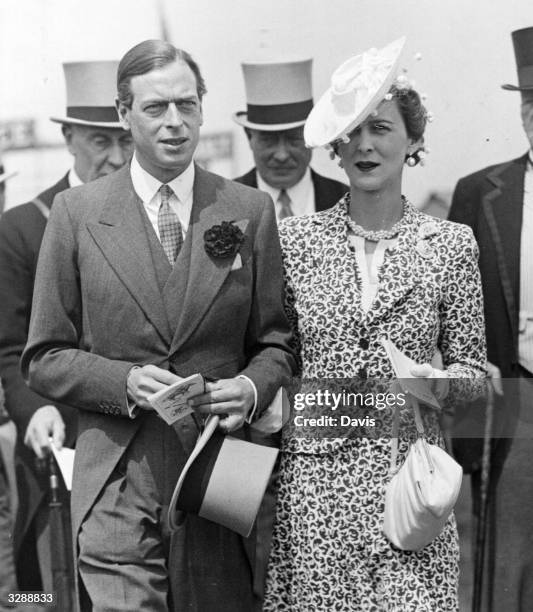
(151, 55)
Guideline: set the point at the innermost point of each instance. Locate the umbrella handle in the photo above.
(481, 530)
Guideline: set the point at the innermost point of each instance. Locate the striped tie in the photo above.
(285, 201)
(170, 230)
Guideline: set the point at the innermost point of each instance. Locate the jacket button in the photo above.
(364, 343)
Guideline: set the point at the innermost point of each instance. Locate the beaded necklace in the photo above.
(374, 235)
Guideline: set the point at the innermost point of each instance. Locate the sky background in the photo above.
(465, 45)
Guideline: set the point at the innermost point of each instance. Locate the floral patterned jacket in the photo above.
(429, 299)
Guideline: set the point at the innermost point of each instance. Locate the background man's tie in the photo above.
(285, 201)
(170, 230)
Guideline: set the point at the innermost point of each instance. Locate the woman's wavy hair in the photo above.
(413, 112)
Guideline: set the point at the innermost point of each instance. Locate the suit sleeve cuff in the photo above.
(251, 413)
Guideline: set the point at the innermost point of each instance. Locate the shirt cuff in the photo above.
(133, 409)
(251, 413)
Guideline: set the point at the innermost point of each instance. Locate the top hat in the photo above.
(223, 481)
(523, 50)
(357, 87)
(91, 93)
(278, 94)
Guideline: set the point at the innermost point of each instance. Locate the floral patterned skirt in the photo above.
(328, 550)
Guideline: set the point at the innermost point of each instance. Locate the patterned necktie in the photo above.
(285, 201)
(170, 231)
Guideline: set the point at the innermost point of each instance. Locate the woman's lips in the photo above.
(366, 166)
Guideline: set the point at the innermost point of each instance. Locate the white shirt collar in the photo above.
(146, 186)
(73, 179)
(296, 192)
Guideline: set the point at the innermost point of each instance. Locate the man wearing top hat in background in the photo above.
(497, 203)
(99, 145)
(279, 98)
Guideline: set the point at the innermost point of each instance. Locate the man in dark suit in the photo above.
(3, 178)
(99, 145)
(279, 98)
(8, 488)
(497, 203)
(129, 297)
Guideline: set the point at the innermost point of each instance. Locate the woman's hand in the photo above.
(440, 383)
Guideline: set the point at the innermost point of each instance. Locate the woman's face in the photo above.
(374, 157)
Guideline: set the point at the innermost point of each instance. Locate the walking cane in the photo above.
(58, 541)
(481, 530)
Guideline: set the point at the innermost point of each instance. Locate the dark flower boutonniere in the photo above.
(223, 240)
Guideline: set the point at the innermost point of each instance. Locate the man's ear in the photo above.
(123, 114)
(67, 131)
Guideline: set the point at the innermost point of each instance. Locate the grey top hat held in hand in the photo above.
(224, 480)
(278, 94)
(91, 92)
(523, 50)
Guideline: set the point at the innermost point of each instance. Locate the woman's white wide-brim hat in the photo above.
(357, 87)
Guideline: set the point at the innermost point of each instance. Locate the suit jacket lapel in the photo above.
(397, 276)
(47, 197)
(327, 192)
(121, 237)
(197, 277)
(502, 208)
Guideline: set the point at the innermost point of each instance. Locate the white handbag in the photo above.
(422, 492)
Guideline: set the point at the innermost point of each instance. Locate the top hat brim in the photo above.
(242, 119)
(7, 175)
(102, 124)
(228, 495)
(509, 87)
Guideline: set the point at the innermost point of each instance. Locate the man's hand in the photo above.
(230, 398)
(46, 423)
(146, 380)
(496, 377)
(439, 384)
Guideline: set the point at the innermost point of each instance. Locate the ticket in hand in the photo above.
(171, 403)
(418, 387)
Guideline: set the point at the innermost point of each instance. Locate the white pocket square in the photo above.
(237, 263)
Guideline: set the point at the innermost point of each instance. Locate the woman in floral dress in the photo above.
(371, 266)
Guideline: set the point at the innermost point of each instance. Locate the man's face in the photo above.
(281, 158)
(97, 151)
(165, 119)
(527, 114)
